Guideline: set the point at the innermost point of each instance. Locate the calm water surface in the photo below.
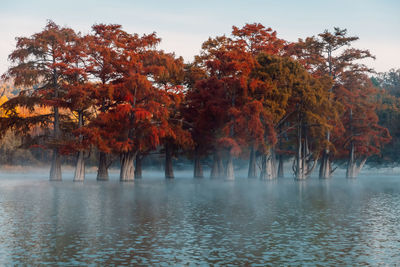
(199, 221)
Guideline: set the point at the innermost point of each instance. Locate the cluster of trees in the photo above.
(389, 115)
(249, 95)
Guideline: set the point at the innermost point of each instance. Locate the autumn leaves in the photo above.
(249, 95)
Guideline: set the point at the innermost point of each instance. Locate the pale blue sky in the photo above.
(184, 25)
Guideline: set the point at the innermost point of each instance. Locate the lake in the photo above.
(189, 221)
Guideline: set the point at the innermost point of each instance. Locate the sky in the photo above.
(185, 25)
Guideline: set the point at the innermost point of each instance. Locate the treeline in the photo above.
(249, 95)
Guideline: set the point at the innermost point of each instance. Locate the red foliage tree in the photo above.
(39, 62)
(103, 48)
(361, 136)
(227, 69)
(137, 112)
(78, 98)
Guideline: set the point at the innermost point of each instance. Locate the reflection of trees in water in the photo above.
(199, 221)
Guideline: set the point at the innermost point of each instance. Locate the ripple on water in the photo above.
(187, 221)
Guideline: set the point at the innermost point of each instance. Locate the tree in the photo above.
(263, 92)
(103, 49)
(38, 62)
(168, 78)
(207, 109)
(330, 54)
(390, 81)
(78, 99)
(291, 96)
(362, 136)
(388, 111)
(275, 79)
(138, 111)
(194, 115)
(312, 113)
(227, 69)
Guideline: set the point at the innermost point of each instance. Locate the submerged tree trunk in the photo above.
(280, 167)
(217, 169)
(102, 171)
(280, 173)
(221, 167)
(252, 164)
(268, 169)
(55, 170)
(138, 166)
(325, 171)
(354, 168)
(80, 163)
(198, 169)
(229, 172)
(169, 171)
(304, 163)
(299, 171)
(80, 168)
(273, 164)
(351, 164)
(127, 172)
(325, 167)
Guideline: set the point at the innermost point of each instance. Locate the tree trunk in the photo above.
(169, 171)
(127, 173)
(80, 168)
(138, 166)
(273, 164)
(102, 171)
(361, 165)
(304, 163)
(198, 170)
(55, 170)
(221, 167)
(280, 166)
(351, 164)
(299, 169)
(325, 167)
(267, 167)
(80, 163)
(252, 164)
(264, 168)
(353, 168)
(217, 169)
(229, 172)
(279, 173)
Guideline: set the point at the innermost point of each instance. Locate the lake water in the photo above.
(199, 221)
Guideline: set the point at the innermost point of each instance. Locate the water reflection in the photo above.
(201, 221)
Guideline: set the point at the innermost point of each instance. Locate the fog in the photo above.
(27, 172)
(198, 221)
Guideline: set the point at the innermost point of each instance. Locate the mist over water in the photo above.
(199, 221)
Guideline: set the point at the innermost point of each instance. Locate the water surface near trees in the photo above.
(199, 221)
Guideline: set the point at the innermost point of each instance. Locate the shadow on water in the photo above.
(200, 221)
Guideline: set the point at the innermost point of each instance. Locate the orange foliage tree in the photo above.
(265, 97)
(330, 53)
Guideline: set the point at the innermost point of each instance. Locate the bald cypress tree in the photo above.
(38, 63)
